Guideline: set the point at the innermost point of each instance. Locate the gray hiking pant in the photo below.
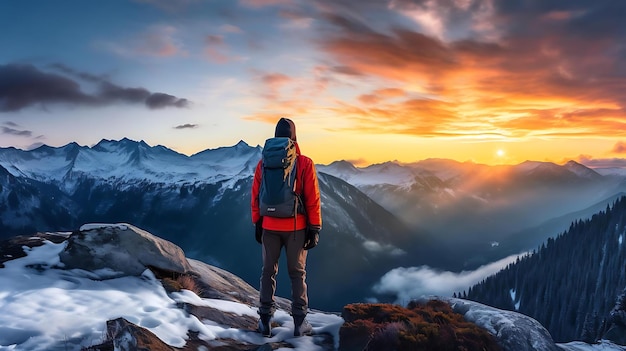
(273, 243)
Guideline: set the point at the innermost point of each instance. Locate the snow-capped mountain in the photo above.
(129, 161)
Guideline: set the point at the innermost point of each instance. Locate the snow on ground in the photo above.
(44, 308)
(581, 346)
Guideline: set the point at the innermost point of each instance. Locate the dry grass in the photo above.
(430, 326)
(188, 282)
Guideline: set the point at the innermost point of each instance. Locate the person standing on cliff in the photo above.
(297, 228)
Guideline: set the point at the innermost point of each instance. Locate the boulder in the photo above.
(514, 331)
(123, 248)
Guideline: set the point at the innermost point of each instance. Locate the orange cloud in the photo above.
(293, 96)
(619, 148)
(492, 71)
(381, 94)
(516, 87)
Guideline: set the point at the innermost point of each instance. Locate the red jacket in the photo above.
(306, 185)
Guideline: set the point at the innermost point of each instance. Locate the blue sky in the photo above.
(490, 81)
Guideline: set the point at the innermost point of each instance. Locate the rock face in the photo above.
(513, 330)
(123, 248)
(220, 284)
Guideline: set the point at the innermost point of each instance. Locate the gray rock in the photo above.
(122, 248)
(221, 284)
(514, 331)
(127, 336)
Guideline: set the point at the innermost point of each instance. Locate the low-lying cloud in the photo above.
(24, 85)
(412, 282)
(601, 162)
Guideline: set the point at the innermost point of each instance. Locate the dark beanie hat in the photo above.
(285, 128)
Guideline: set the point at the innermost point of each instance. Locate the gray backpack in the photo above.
(277, 195)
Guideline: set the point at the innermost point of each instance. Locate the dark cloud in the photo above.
(161, 100)
(351, 25)
(11, 131)
(24, 85)
(82, 75)
(186, 126)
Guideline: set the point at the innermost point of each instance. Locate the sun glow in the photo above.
(500, 153)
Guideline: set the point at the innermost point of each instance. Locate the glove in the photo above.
(258, 234)
(311, 238)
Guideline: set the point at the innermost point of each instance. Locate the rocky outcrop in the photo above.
(123, 248)
(514, 331)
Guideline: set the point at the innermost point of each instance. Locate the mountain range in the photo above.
(441, 213)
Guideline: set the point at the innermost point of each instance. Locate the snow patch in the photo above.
(513, 294)
(603, 345)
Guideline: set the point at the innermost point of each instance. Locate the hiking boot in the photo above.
(265, 328)
(301, 326)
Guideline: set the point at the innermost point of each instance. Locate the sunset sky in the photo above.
(490, 81)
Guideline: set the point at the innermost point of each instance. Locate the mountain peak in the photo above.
(342, 164)
(242, 144)
(581, 170)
